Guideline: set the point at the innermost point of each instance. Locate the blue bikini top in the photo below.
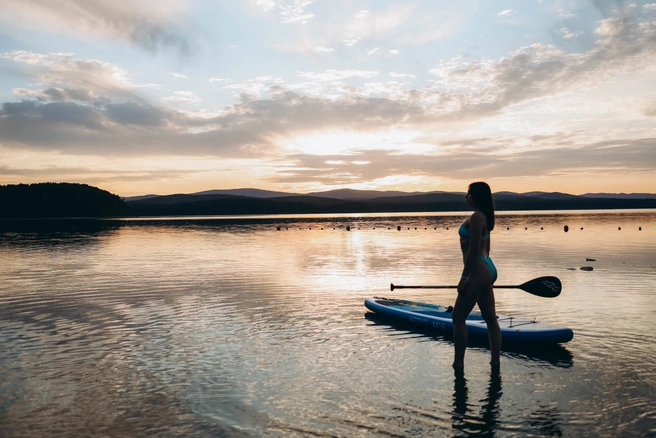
(464, 232)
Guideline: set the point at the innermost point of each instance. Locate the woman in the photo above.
(478, 274)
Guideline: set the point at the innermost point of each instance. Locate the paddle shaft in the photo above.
(394, 286)
(548, 287)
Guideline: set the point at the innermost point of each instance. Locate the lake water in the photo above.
(233, 327)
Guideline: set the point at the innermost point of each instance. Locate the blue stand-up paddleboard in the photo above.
(513, 330)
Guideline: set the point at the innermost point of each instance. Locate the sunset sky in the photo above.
(180, 96)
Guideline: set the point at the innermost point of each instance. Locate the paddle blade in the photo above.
(548, 287)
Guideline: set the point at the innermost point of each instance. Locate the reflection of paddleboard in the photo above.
(514, 330)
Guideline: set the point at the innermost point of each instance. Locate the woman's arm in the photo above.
(476, 225)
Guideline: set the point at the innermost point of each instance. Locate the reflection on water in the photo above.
(475, 420)
(231, 327)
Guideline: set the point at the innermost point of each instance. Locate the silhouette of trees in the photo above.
(46, 200)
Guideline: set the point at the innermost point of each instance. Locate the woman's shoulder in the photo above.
(477, 216)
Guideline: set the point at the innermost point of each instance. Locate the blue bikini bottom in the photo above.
(493, 269)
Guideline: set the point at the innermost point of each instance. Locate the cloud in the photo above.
(563, 13)
(79, 121)
(183, 97)
(82, 77)
(130, 113)
(481, 158)
(486, 87)
(505, 13)
(567, 34)
(350, 39)
(649, 109)
(320, 49)
(401, 75)
(289, 11)
(336, 75)
(62, 94)
(149, 25)
(380, 24)
(179, 75)
(247, 129)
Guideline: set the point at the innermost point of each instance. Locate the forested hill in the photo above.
(52, 200)
(226, 204)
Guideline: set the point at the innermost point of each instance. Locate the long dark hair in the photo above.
(482, 195)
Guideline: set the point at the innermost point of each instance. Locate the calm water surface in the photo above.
(231, 327)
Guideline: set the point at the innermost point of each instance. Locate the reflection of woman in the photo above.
(486, 422)
(478, 275)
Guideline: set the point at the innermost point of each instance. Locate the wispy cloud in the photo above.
(336, 75)
(88, 77)
(183, 97)
(320, 49)
(289, 11)
(150, 25)
(567, 34)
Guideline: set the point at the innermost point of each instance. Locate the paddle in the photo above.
(548, 287)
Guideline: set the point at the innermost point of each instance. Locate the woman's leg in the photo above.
(486, 304)
(464, 304)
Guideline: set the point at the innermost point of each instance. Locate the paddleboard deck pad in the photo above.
(513, 330)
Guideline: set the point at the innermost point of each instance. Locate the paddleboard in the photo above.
(513, 330)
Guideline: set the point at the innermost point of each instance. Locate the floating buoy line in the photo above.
(400, 228)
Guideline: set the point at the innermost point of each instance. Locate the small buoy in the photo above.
(398, 228)
(278, 228)
(566, 228)
(586, 268)
(542, 228)
(310, 228)
(639, 228)
(322, 228)
(348, 228)
(581, 227)
(619, 228)
(508, 228)
(526, 228)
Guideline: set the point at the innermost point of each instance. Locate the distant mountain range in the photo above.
(50, 200)
(351, 194)
(256, 201)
